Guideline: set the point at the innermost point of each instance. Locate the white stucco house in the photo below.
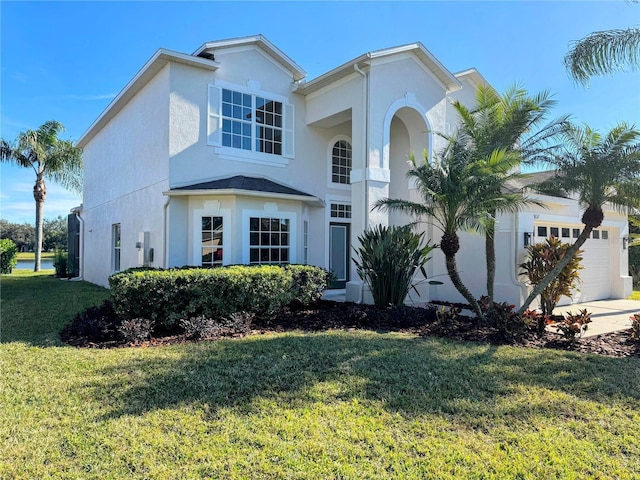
(228, 155)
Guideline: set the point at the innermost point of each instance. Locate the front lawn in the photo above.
(348, 404)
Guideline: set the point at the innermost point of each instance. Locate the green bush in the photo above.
(8, 255)
(388, 258)
(169, 296)
(542, 258)
(60, 263)
(634, 264)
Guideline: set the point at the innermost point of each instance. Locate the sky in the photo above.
(67, 60)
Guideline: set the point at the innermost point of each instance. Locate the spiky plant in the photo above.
(388, 258)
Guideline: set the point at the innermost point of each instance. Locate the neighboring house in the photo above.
(229, 156)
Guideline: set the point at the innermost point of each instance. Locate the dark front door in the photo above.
(339, 254)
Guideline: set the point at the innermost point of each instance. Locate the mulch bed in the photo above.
(327, 315)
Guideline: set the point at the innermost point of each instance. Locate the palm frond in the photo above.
(603, 53)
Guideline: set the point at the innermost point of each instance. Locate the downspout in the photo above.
(80, 247)
(365, 132)
(524, 289)
(165, 233)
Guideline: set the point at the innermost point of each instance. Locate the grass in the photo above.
(635, 295)
(328, 405)
(32, 256)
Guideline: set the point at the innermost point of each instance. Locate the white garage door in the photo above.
(596, 272)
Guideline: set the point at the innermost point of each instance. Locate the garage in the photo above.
(596, 260)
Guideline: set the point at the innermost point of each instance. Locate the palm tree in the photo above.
(603, 53)
(450, 201)
(499, 123)
(598, 170)
(51, 159)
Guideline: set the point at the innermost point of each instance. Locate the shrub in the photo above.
(167, 296)
(504, 317)
(136, 330)
(574, 325)
(92, 325)
(60, 263)
(634, 264)
(635, 326)
(388, 258)
(542, 257)
(201, 327)
(308, 283)
(8, 255)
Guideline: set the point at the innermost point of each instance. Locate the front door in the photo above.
(339, 254)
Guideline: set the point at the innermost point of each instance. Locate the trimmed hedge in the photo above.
(168, 296)
(8, 255)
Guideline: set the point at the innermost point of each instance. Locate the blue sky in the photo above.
(67, 60)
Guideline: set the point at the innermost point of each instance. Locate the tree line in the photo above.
(54, 233)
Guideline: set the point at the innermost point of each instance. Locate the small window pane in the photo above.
(554, 232)
(542, 231)
(565, 233)
(595, 234)
(576, 232)
(254, 224)
(605, 235)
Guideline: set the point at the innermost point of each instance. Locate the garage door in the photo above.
(596, 272)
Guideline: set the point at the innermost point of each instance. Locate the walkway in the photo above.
(606, 315)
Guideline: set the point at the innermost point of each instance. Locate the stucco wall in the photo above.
(126, 171)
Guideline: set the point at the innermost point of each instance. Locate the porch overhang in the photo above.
(248, 187)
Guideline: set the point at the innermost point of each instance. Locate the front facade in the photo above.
(228, 156)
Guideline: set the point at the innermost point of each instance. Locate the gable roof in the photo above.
(448, 79)
(207, 49)
(244, 185)
(137, 83)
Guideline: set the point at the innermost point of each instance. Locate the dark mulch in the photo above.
(327, 315)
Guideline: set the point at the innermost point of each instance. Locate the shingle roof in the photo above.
(240, 182)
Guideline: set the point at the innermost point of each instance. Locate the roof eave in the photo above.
(444, 76)
(310, 200)
(260, 40)
(161, 58)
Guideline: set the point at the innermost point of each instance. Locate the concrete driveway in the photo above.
(606, 315)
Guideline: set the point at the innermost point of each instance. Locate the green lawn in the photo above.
(31, 256)
(325, 405)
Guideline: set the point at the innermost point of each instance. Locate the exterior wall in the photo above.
(387, 110)
(126, 171)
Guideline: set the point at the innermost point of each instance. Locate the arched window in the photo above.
(341, 162)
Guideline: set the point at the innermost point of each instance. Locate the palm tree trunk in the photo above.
(39, 194)
(552, 275)
(490, 253)
(452, 270)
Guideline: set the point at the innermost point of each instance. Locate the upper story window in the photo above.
(250, 122)
(341, 162)
(258, 126)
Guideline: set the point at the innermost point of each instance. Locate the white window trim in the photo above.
(214, 126)
(293, 232)
(196, 231)
(114, 248)
(329, 199)
(332, 142)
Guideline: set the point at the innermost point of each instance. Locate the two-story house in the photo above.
(228, 156)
